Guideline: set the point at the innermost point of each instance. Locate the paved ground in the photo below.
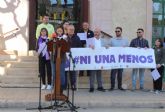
(90, 110)
(28, 98)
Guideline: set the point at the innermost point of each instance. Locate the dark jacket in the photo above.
(74, 42)
(159, 55)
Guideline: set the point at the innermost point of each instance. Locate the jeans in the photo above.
(141, 77)
(92, 75)
(62, 73)
(117, 72)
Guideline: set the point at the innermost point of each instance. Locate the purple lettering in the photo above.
(83, 59)
(150, 59)
(112, 59)
(135, 59)
(105, 58)
(98, 58)
(89, 59)
(128, 59)
(142, 59)
(122, 58)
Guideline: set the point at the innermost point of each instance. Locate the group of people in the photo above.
(67, 32)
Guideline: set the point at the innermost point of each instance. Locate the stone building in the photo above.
(19, 18)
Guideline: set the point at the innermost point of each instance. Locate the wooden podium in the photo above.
(60, 47)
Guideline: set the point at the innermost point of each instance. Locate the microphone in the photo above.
(64, 37)
(54, 35)
(47, 40)
(70, 55)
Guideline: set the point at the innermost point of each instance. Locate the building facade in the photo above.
(19, 18)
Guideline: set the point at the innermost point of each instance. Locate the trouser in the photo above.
(44, 65)
(157, 85)
(81, 72)
(72, 78)
(92, 75)
(141, 77)
(119, 77)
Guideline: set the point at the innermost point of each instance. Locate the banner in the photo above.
(111, 58)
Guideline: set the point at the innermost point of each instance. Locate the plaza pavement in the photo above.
(28, 98)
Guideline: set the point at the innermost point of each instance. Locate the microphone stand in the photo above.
(73, 89)
(39, 103)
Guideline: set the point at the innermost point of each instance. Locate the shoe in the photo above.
(74, 88)
(49, 87)
(133, 89)
(111, 89)
(91, 90)
(151, 91)
(121, 89)
(101, 89)
(141, 88)
(43, 87)
(157, 92)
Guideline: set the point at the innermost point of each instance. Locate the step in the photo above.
(16, 64)
(13, 52)
(27, 58)
(8, 58)
(8, 52)
(21, 70)
(20, 80)
(2, 70)
(33, 53)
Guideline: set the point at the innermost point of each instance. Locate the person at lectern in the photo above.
(60, 35)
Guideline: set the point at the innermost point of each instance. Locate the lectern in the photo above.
(59, 47)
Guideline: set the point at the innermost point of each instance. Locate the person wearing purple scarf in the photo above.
(44, 59)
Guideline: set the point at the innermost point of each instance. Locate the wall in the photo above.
(14, 22)
(129, 14)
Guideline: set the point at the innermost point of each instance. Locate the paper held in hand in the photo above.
(82, 36)
(155, 74)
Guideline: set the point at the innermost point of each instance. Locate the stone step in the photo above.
(16, 64)
(33, 53)
(8, 55)
(8, 58)
(28, 58)
(19, 81)
(11, 71)
(8, 52)
(2, 70)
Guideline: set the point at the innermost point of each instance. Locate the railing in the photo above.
(106, 34)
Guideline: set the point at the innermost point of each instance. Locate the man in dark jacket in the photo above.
(90, 34)
(74, 42)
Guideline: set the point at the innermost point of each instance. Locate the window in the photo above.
(158, 20)
(59, 11)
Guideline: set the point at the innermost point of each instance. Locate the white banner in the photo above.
(111, 58)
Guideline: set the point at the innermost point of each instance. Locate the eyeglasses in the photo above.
(117, 31)
(138, 32)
